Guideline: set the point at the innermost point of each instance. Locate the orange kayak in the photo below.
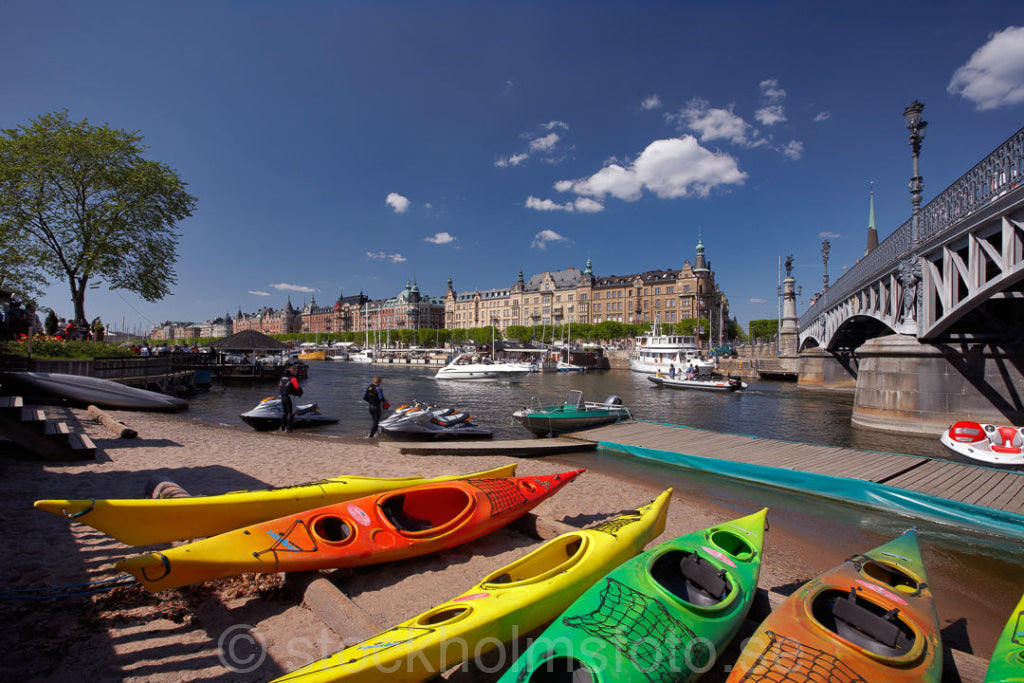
(870, 619)
(380, 528)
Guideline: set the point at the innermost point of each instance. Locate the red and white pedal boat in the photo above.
(993, 444)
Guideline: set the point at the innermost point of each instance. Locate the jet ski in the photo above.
(422, 422)
(267, 415)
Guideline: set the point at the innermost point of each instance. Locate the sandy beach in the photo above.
(255, 628)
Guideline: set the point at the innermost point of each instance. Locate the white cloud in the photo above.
(551, 125)
(538, 204)
(757, 300)
(651, 102)
(672, 168)
(771, 111)
(544, 237)
(711, 123)
(440, 238)
(513, 160)
(794, 149)
(823, 116)
(564, 185)
(588, 205)
(994, 75)
(283, 286)
(394, 258)
(257, 292)
(545, 143)
(829, 235)
(397, 202)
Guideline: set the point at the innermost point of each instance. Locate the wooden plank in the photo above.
(1010, 492)
(993, 482)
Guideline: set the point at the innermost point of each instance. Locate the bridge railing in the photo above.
(998, 173)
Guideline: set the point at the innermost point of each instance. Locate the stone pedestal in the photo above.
(819, 369)
(906, 386)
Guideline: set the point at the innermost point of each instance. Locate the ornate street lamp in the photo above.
(825, 248)
(916, 127)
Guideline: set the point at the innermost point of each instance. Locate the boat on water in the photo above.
(422, 422)
(664, 615)
(313, 354)
(656, 352)
(83, 391)
(987, 443)
(572, 416)
(267, 415)
(364, 356)
(872, 618)
(468, 366)
(508, 602)
(387, 527)
(700, 384)
(148, 521)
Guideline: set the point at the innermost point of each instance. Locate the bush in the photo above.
(58, 349)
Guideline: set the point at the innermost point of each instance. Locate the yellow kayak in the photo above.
(148, 521)
(508, 603)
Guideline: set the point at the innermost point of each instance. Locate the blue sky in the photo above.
(339, 147)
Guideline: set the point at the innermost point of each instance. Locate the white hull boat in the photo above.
(728, 384)
(656, 352)
(465, 367)
(421, 422)
(987, 443)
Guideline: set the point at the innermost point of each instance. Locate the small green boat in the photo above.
(572, 416)
(663, 615)
(1007, 662)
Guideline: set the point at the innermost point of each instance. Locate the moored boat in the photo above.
(661, 616)
(386, 527)
(655, 352)
(508, 602)
(148, 521)
(872, 618)
(991, 444)
(421, 422)
(1007, 662)
(466, 366)
(267, 415)
(83, 391)
(573, 415)
(710, 384)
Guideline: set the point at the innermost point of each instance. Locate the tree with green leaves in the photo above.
(80, 203)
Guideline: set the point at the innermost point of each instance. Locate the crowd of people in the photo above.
(17, 318)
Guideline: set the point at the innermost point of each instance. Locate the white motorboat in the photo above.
(656, 352)
(708, 384)
(991, 444)
(364, 356)
(466, 366)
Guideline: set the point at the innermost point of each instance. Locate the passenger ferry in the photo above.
(655, 352)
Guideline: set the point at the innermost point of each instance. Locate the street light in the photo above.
(825, 248)
(916, 127)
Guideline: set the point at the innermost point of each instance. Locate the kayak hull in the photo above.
(821, 628)
(386, 527)
(1007, 663)
(662, 615)
(509, 602)
(149, 521)
(83, 391)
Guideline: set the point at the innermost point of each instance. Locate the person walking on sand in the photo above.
(374, 395)
(288, 387)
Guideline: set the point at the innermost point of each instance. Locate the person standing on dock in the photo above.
(288, 387)
(374, 395)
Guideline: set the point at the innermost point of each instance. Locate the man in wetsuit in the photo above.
(374, 395)
(288, 387)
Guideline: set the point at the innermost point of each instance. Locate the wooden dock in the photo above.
(969, 484)
(518, 448)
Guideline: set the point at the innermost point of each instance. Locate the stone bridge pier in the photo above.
(903, 385)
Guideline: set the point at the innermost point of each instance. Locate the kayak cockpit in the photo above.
(549, 560)
(692, 578)
(427, 512)
(879, 631)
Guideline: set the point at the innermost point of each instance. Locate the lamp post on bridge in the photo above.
(825, 249)
(916, 126)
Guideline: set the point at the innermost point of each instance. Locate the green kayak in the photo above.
(663, 615)
(1007, 662)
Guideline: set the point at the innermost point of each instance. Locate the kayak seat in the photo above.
(691, 578)
(863, 623)
(394, 509)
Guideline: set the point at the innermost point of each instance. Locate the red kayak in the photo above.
(380, 528)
